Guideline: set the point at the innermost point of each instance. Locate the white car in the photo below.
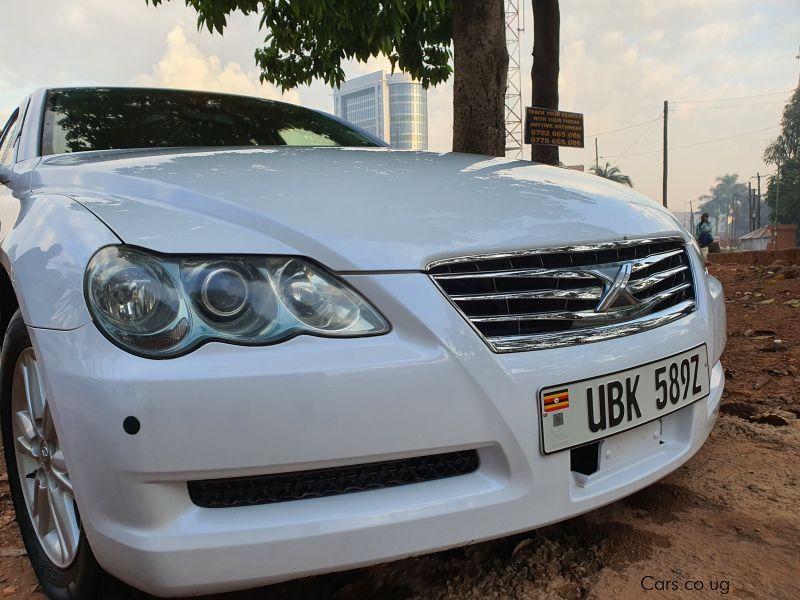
(245, 342)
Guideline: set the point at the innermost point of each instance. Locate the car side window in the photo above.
(9, 140)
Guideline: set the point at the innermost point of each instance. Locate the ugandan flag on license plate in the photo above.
(557, 400)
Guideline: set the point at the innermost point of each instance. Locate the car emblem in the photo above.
(616, 294)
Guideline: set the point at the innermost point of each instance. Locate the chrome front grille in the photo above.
(554, 297)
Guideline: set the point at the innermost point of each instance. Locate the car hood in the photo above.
(351, 209)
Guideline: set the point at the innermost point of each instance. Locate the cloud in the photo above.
(711, 35)
(354, 68)
(613, 40)
(185, 66)
(77, 20)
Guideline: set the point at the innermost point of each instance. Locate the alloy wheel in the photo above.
(40, 464)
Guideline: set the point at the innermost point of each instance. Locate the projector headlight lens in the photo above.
(224, 293)
(166, 306)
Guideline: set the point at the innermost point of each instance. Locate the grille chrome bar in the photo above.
(644, 263)
(519, 343)
(648, 282)
(591, 247)
(562, 296)
(661, 296)
(585, 294)
(563, 273)
(587, 314)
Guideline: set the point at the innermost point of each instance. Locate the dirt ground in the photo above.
(726, 523)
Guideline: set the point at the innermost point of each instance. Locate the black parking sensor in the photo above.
(131, 425)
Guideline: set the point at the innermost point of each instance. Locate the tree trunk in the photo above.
(480, 61)
(544, 74)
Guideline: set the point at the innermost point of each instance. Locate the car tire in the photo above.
(81, 578)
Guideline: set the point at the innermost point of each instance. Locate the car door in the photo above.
(10, 205)
(9, 140)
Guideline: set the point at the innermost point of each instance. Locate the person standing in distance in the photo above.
(703, 235)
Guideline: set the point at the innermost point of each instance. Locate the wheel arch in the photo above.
(44, 255)
(8, 301)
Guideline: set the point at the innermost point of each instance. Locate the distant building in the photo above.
(770, 237)
(392, 107)
(756, 240)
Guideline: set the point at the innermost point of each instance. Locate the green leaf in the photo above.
(309, 39)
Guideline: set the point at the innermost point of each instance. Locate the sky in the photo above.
(727, 68)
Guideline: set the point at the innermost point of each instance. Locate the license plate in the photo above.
(580, 412)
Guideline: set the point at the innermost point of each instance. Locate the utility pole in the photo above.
(751, 216)
(736, 226)
(514, 108)
(596, 156)
(777, 201)
(777, 195)
(691, 217)
(664, 175)
(758, 204)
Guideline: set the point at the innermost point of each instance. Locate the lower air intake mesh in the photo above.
(319, 483)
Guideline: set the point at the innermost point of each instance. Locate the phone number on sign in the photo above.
(556, 141)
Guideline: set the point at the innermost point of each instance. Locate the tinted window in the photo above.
(81, 119)
(9, 140)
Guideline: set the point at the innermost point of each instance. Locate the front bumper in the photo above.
(429, 386)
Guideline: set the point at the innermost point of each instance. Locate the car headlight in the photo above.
(316, 300)
(163, 306)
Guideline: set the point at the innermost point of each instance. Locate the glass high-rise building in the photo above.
(392, 107)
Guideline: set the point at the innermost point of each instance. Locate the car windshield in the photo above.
(81, 119)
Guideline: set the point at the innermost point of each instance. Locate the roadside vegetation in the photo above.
(613, 173)
(782, 195)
